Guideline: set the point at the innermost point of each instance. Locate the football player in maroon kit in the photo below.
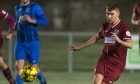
(135, 19)
(117, 39)
(11, 21)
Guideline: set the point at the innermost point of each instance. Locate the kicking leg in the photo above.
(40, 75)
(19, 66)
(98, 78)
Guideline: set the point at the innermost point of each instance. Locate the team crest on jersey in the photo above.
(128, 33)
(116, 31)
(28, 9)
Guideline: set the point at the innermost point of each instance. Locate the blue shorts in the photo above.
(27, 50)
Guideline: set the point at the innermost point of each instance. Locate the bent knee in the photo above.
(98, 78)
(19, 65)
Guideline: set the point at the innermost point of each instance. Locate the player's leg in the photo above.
(20, 60)
(40, 75)
(103, 83)
(98, 78)
(33, 57)
(19, 66)
(6, 71)
(99, 72)
(4, 67)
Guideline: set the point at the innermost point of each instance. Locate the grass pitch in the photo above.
(80, 78)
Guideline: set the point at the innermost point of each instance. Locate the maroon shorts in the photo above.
(110, 71)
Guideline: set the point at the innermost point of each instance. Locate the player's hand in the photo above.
(73, 48)
(9, 36)
(27, 18)
(115, 37)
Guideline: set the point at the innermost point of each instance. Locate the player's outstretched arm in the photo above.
(88, 43)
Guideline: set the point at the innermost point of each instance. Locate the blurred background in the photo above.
(71, 21)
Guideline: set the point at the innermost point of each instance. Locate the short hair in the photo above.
(112, 6)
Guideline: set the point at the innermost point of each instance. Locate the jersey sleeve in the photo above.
(126, 33)
(3, 14)
(41, 17)
(9, 18)
(101, 32)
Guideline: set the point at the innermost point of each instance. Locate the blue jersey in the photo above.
(27, 32)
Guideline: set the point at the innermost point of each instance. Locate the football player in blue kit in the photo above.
(28, 16)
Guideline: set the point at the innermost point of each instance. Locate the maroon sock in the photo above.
(8, 75)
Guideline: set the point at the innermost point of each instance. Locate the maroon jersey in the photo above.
(113, 51)
(3, 15)
(11, 21)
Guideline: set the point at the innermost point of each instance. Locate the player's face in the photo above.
(112, 15)
(25, 1)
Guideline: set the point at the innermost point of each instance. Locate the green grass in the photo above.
(129, 78)
(54, 54)
(81, 78)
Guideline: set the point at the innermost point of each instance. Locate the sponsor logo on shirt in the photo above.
(109, 39)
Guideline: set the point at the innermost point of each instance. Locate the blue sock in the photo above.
(18, 79)
(41, 78)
